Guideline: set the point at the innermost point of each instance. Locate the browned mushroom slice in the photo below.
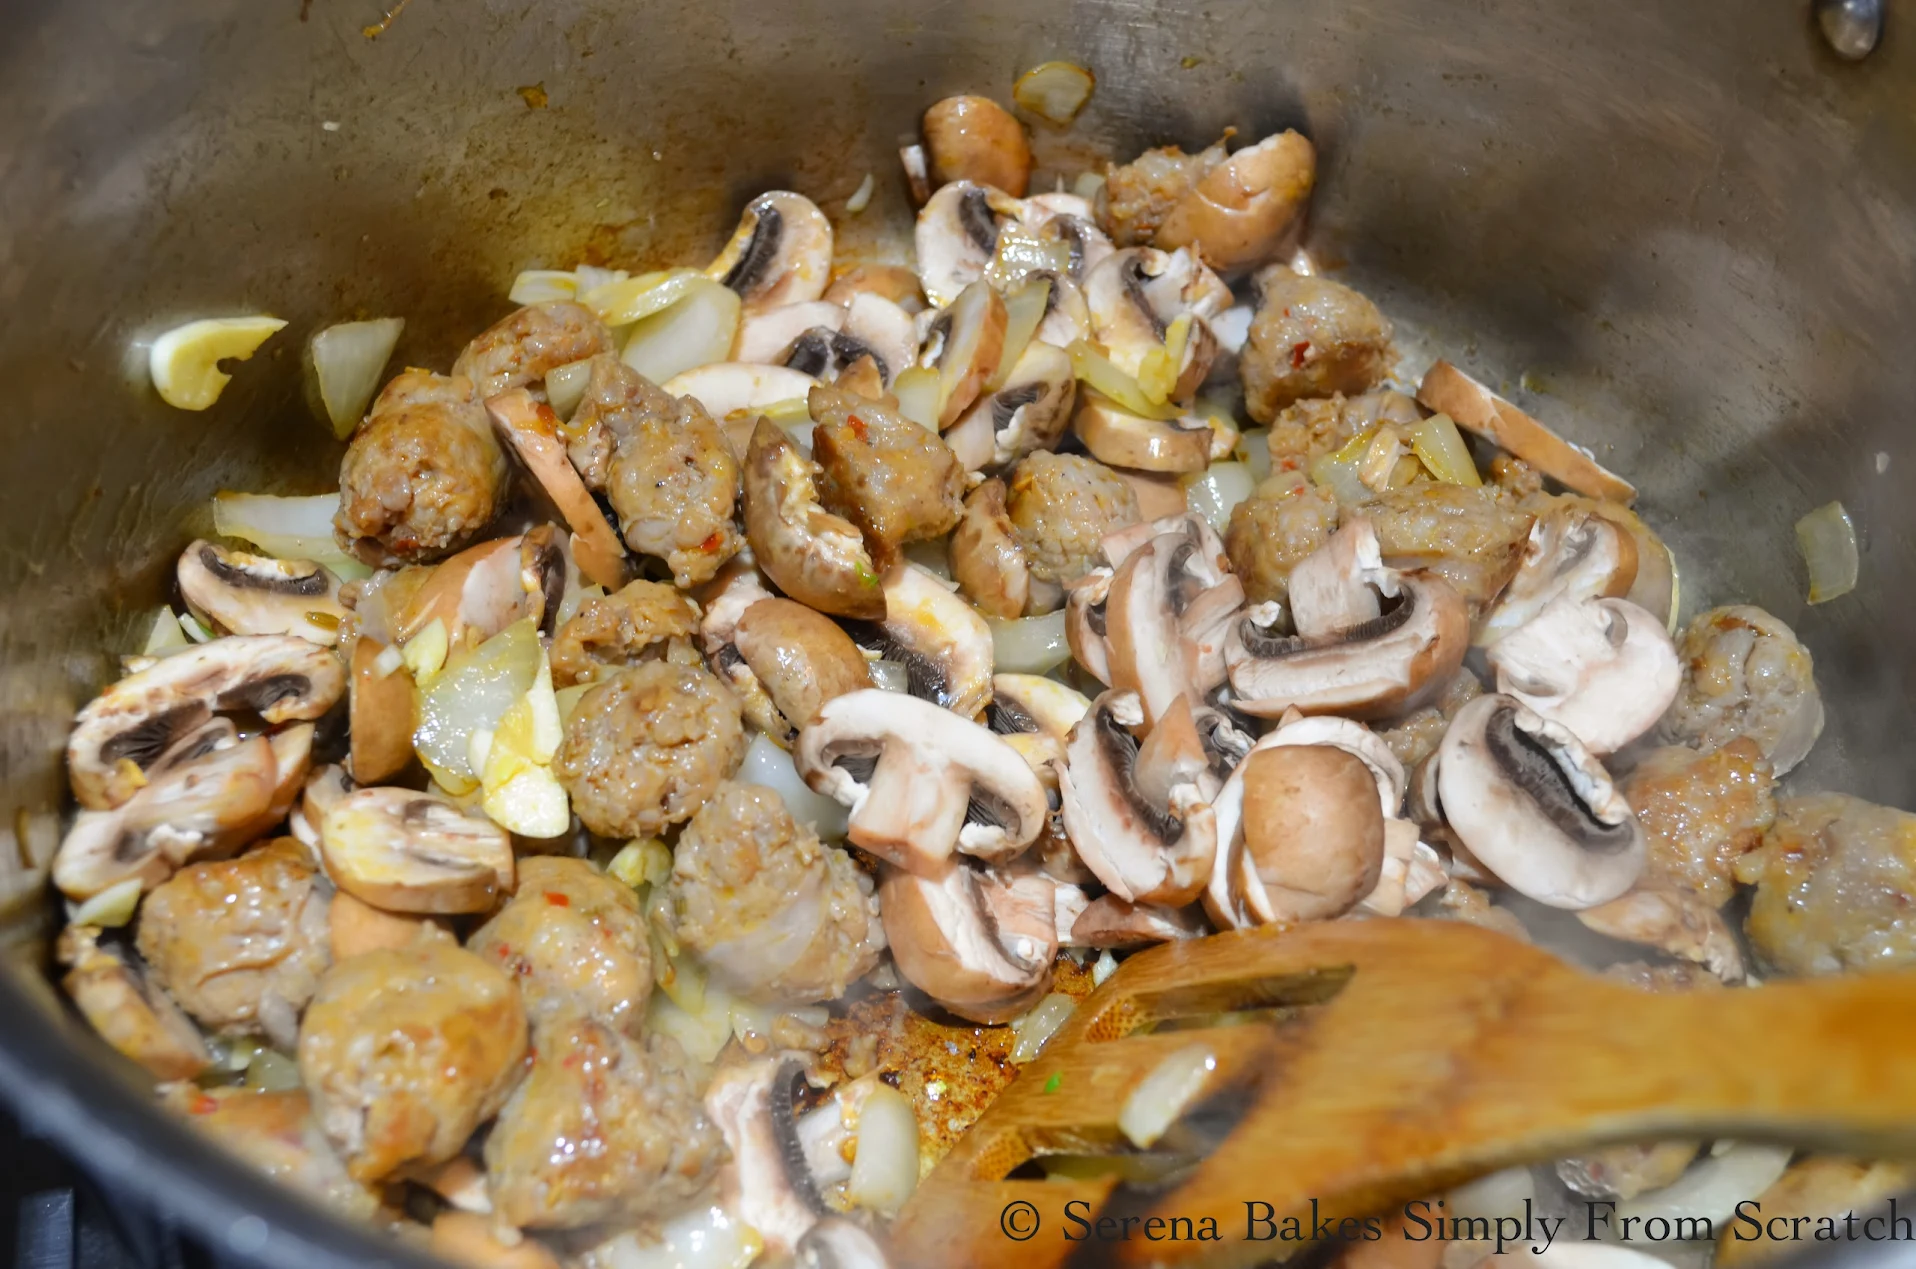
(1535, 807)
(976, 139)
(986, 560)
(1087, 623)
(408, 852)
(802, 659)
(944, 645)
(1136, 294)
(815, 557)
(1449, 390)
(130, 1014)
(781, 252)
(1140, 819)
(257, 595)
(1604, 668)
(726, 598)
(957, 935)
(893, 282)
(1169, 614)
(1029, 411)
(956, 234)
(485, 588)
(531, 431)
(752, 1106)
(1673, 920)
(1115, 436)
(130, 725)
(964, 345)
(1572, 551)
(382, 715)
(921, 782)
(1239, 212)
(1382, 667)
(1110, 922)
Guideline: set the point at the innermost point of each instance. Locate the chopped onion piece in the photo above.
(1029, 645)
(425, 653)
(918, 391)
(1440, 447)
(568, 698)
(565, 386)
(542, 286)
(1020, 252)
(1088, 186)
(1712, 1188)
(625, 301)
(1102, 968)
(885, 1167)
(1100, 373)
(765, 763)
(348, 360)
(1254, 448)
(645, 862)
(111, 908)
(1232, 327)
(195, 629)
(1827, 538)
(912, 158)
(591, 277)
(1218, 488)
(1054, 91)
(271, 1071)
(701, 1034)
(287, 529)
(892, 676)
(164, 634)
(1159, 370)
(1024, 313)
(703, 1238)
(473, 693)
(695, 331)
(862, 196)
(1339, 471)
(1160, 1097)
(1498, 1194)
(1032, 1031)
(521, 794)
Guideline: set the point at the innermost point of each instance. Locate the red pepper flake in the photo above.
(547, 415)
(558, 900)
(712, 543)
(1299, 351)
(203, 1105)
(858, 427)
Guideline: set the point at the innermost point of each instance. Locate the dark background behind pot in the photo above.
(1684, 231)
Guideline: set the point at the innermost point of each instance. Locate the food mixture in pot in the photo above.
(728, 716)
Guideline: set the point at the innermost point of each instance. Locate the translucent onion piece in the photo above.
(1338, 472)
(1712, 1188)
(271, 1071)
(111, 908)
(695, 331)
(1254, 448)
(1099, 372)
(1441, 449)
(1102, 968)
(1088, 186)
(1160, 1097)
(703, 1238)
(425, 653)
(1827, 538)
(568, 698)
(1498, 1194)
(1158, 371)
(645, 862)
(885, 1168)
(1032, 1031)
(1214, 491)
(1054, 91)
(765, 763)
(522, 794)
(541, 286)
(473, 693)
(348, 360)
(918, 391)
(286, 528)
(193, 628)
(1029, 645)
(565, 386)
(701, 1034)
(862, 196)
(933, 555)
(1024, 313)
(625, 301)
(893, 676)
(164, 634)
(591, 277)
(1020, 252)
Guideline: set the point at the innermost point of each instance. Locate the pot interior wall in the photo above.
(1682, 231)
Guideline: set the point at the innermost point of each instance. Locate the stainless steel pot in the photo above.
(1687, 230)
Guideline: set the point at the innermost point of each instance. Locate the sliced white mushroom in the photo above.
(485, 588)
(776, 1193)
(1067, 317)
(767, 335)
(1030, 412)
(530, 431)
(837, 1243)
(815, 557)
(1110, 922)
(1035, 716)
(1534, 806)
(1136, 294)
(1140, 820)
(1342, 584)
(964, 344)
(985, 558)
(781, 252)
(944, 645)
(956, 234)
(1572, 551)
(1086, 622)
(409, 852)
(1148, 650)
(725, 599)
(920, 781)
(1449, 390)
(1071, 220)
(257, 595)
(1604, 668)
(127, 728)
(1384, 666)
(1119, 438)
(980, 945)
(872, 326)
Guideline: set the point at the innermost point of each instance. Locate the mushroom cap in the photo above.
(256, 594)
(752, 1106)
(1145, 848)
(1572, 551)
(1119, 438)
(381, 716)
(883, 329)
(781, 252)
(485, 588)
(976, 139)
(409, 852)
(283, 678)
(1312, 832)
(892, 282)
(1604, 668)
(1210, 561)
(1532, 805)
(965, 342)
(1383, 667)
(941, 783)
(1029, 411)
(1238, 213)
(1109, 922)
(946, 938)
(802, 658)
(1135, 294)
(814, 556)
(957, 232)
(1339, 585)
(530, 430)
